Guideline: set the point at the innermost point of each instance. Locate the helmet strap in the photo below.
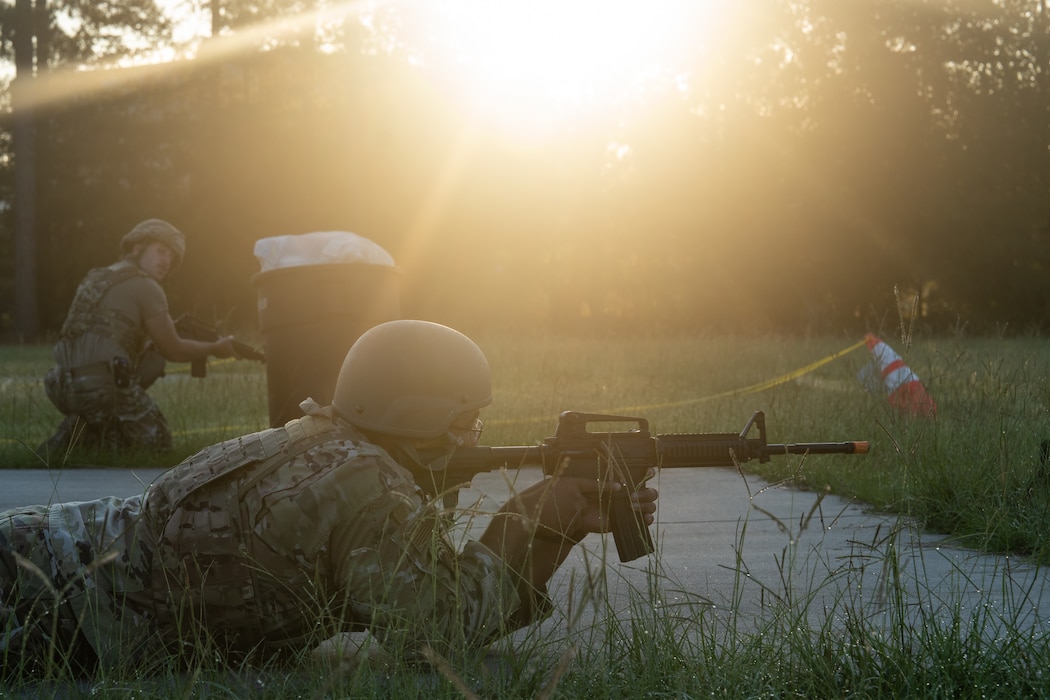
(427, 469)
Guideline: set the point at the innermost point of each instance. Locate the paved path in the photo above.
(738, 547)
(21, 487)
(738, 551)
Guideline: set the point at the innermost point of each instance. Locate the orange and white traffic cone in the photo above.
(902, 386)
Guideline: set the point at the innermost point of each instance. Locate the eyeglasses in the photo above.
(468, 437)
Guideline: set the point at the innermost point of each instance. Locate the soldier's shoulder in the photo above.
(360, 470)
(348, 453)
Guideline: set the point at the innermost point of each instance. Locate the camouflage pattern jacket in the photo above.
(274, 542)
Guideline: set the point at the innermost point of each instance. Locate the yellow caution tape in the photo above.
(753, 389)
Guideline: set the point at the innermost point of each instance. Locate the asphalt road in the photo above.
(21, 487)
(728, 545)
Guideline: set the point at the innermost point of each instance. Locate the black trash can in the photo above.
(309, 316)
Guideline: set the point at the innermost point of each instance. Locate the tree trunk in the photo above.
(26, 320)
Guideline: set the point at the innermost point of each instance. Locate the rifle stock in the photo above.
(626, 456)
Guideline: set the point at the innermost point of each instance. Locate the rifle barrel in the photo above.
(820, 448)
(728, 449)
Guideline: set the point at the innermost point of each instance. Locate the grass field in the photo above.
(974, 472)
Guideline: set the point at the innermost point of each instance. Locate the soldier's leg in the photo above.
(23, 645)
(88, 404)
(61, 439)
(141, 422)
(10, 628)
(57, 387)
(72, 433)
(38, 633)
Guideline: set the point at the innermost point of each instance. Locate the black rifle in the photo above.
(626, 457)
(191, 327)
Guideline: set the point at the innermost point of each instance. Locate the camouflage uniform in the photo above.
(65, 571)
(271, 542)
(106, 321)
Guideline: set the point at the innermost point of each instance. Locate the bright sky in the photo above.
(563, 56)
(524, 64)
(192, 17)
(549, 58)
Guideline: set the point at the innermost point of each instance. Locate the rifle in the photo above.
(626, 457)
(191, 327)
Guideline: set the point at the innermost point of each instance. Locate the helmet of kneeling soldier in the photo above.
(411, 379)
(155, 230)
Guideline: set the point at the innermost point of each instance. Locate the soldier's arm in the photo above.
(538, 527)
(401, 575)
(174, 348)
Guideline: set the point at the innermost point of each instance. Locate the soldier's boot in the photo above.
(57, 446)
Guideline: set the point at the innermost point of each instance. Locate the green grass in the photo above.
(229, 402)
(974, 472)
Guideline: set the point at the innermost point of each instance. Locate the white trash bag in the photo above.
(319, 248)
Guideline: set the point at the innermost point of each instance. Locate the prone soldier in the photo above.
(275, 541)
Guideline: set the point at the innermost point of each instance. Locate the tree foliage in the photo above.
(819, 156)
(88, 32)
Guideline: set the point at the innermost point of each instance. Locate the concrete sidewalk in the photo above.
(735, 546)
(27, 487)
(739, 551)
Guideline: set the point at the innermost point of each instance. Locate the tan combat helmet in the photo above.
(411, 379)
(155, 230)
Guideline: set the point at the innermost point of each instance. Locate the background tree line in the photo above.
(818, 156)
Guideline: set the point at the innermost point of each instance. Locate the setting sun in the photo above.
(530, 63)
(558, 57)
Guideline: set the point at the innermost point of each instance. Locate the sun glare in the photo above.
(560, 56)
(526, 64)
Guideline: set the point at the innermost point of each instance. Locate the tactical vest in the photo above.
(85, 316)
(204, 562)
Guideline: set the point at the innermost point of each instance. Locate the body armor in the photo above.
(208, 566)
(85, 316)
